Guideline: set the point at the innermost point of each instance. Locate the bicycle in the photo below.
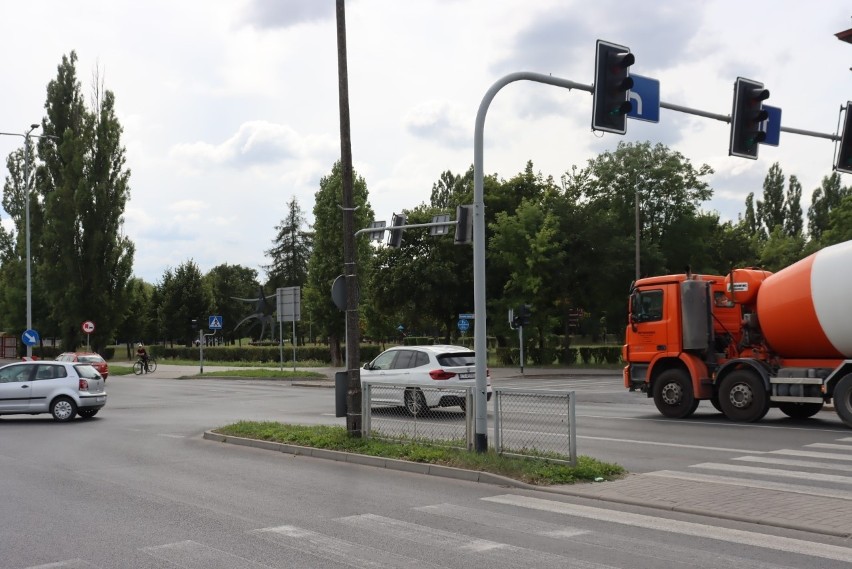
(139, 367)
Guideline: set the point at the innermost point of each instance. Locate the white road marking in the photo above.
(502, 521)
(802, 463)
(809, 454)
(193, 555)
(675, 445)
(485, 551)
(811, 476)
(832, 446)
(703, 531)
(338, 550)
(752, 483)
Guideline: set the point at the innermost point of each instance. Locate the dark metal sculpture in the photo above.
(263, 312)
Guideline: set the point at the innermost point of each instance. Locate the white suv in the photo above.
(425, 366)
(63, 389)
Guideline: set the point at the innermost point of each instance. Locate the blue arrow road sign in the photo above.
(464, 325)
(645, 96)
(215, 323)
(772, 125)
(30, 337)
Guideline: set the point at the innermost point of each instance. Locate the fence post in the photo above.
(366, 406)
(572, 424)
(468, 417)
(497, 422)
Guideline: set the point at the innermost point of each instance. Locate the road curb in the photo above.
(496, 479)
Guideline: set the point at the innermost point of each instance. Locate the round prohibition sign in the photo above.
(88, 326)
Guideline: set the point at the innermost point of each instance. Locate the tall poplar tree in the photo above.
(85, 261)
(326, 262)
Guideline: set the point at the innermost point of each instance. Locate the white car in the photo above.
(63, 389)
(426, 367)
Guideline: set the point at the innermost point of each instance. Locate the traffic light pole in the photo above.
(479, 308)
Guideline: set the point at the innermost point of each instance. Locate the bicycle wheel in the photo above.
(137, 368)
(152, 365)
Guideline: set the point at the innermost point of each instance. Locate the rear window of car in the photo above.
(457, 359)
(65, 358)
(87, 372)
(90, 359)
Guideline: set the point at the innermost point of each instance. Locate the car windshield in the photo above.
(457, 359)
(87, 372)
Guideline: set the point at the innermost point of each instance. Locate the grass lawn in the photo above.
(530, 470)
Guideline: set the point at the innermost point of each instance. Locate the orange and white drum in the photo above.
(805, 310)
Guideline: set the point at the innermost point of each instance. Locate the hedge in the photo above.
(565, 356)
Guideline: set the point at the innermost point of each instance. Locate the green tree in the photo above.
(793, 220)
(84, 187)
(771, 212)
(839, 223)
(780, 250)
(225, 282)
(183, 296)
(823, 200)
(291, 250)
(326, 262)
(136, 325)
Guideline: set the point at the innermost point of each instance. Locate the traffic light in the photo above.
(844, 155)
(395, 237)
(611, 102)
(464, 225)
(746, 117)
(523, 315)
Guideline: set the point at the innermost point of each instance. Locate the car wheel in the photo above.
(673, 394)
(800, 410)
(63, 409)
(743, 397)
(87, 413)
(415, 402)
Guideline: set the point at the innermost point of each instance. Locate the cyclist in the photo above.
(142, 354)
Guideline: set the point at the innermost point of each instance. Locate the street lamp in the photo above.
(27, 136)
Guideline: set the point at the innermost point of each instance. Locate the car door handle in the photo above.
(24, 386)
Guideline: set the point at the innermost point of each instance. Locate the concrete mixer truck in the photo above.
(747, 341)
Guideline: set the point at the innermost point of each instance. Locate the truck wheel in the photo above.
(743, 397)
(673, 394)
(843, 399)
(800, 410)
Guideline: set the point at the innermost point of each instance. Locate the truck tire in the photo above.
(843, 399)
(673, 394)
(743, 397)
(800, 410)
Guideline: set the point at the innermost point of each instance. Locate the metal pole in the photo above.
(27, 231)
(281, 345)
(479, 340)
(201, 349)
(637, 227)
(521, 343)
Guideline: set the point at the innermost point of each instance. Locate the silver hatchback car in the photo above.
(63, 389)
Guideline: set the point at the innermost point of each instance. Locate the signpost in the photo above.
(88, 328)
(289, 309)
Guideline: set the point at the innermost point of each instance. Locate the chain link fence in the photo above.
(535, 423)
(441, 416)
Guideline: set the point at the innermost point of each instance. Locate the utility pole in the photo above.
(353, 393)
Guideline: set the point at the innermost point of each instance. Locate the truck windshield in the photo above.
(647, 306)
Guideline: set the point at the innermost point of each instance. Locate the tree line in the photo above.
(563, 246)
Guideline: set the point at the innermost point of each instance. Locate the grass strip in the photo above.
(536, 471)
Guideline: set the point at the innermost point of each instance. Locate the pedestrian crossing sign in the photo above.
(215, 323)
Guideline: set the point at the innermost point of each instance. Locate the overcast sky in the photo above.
(230, 107)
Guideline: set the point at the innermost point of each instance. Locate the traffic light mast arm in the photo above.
(413, 225)
(727, 119)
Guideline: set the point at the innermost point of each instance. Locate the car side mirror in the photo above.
(367, 366)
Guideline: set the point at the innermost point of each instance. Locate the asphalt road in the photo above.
(138, 487)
